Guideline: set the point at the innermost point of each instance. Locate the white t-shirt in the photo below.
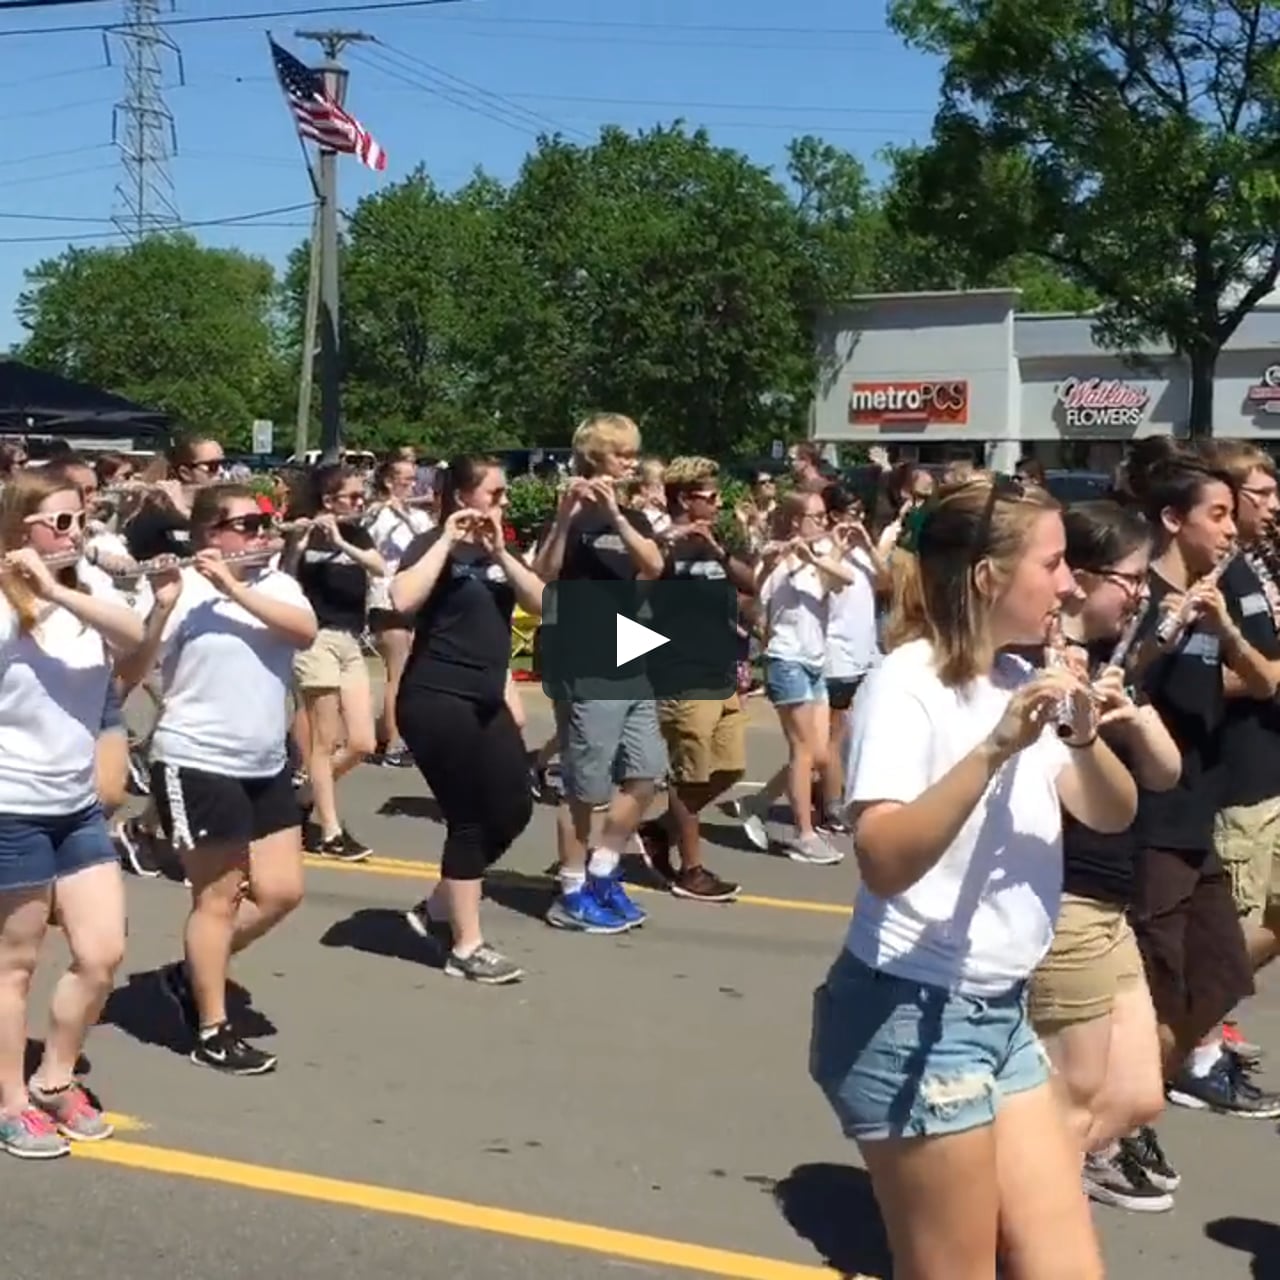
(852, 648)
(226, 678)
(982, 919)
(53, 688)
(392, 531)
(113, 546)
(795, 604)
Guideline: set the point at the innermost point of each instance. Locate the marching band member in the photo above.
(921, 1040)
(460, 583)
(56, 643)
(1088, 998)
(225, 637)
(392, 529)
(335, 558)
(796, 574)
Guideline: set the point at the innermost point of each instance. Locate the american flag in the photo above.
(319, 118)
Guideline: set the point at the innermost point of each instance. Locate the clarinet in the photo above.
(1172, 625)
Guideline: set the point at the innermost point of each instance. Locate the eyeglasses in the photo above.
(58, 521)
(210, 466)
(250, 525)
(705, 495)
(1003, 489)
(1130, 582)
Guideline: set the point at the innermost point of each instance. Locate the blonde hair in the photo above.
(787, 514)
(21, 497)
(935, 592)
(601, 434)
(684, 474)
(1237, 458)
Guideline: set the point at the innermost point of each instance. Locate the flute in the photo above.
(1125, 641)
(1065, 714)
(171, 564)
(1172, 625)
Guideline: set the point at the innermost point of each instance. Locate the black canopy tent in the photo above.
(36, 403)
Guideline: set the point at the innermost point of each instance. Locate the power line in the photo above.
(379, 6)
(246, 221)
(811, 109)
(715, 28)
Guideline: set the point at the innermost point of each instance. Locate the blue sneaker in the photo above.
(583, 912)
(608, 891)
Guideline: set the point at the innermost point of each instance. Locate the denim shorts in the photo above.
(36, 850)
(902, 1059)
(789, 683)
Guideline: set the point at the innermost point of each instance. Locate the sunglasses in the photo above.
(211, 467)
(59, 521)
(1003, 489)
(251, 525)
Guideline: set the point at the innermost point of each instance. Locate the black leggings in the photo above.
(472, 757)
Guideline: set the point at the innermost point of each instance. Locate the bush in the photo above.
(533, 504)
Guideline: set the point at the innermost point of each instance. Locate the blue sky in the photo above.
(453, 87)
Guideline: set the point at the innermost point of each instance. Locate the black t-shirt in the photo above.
(1096, 865)
(158, 530)
(462, 632)
(594, 549)
(335, 585)
(1251, 734)
(1185, 687)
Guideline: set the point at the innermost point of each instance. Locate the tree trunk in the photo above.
(1204, 362)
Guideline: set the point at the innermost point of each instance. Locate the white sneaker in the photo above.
(813, 849)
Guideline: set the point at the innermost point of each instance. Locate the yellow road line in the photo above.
(125, 1124)
(408, 869)
(454, 1213)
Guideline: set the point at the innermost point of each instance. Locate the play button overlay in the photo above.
(622, 641)
(634, 641)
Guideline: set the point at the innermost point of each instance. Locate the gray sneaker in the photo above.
(426, 926)
(813, 849)
(31, 1135)
(74, 1113)
(753, 825)
(485, 965)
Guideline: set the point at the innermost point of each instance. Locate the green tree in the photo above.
(1132, 145)
(671, 281)
(167, 322)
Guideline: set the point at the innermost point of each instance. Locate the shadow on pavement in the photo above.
(1249, 1235)
(142, 1011)
(35, 1051)
(833, 1208)
(411, 807)
(527, 895)
(379, 931)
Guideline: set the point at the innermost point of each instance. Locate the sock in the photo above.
(1105, 1153)
(207, 1033)
(1204, 1058)
(464, 952)
(603, 862)
(572, 881)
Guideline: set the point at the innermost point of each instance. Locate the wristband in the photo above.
(1088, 742)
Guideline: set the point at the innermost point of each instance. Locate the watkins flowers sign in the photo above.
(1102, 402)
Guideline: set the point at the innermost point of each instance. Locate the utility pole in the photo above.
(302, 431)
(335, 80)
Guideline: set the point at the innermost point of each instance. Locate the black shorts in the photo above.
(209, 808)
(389, 620)
(840, 693)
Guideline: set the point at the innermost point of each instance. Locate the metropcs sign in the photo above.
(1102, 402)
(945, 402)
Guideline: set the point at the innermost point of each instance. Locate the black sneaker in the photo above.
(223, 1050)
(139, 783)
(1146, 1149)
(177, 986)
(136, 848)
(429, 929)
(1120, 1180)
(343, 847)
(697, 884)
(655, 843)
(398, 759)
(1226, 1089)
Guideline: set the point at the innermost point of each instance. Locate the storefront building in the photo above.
(941, 375)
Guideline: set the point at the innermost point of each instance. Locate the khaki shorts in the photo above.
(333, 661)
(704, 737)
(1247, 838)
(1093, 958)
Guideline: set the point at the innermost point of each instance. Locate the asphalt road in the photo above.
(636, 1106)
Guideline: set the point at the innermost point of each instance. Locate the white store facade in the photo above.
(938, 375)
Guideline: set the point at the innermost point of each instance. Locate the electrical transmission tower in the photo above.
(142, 125)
